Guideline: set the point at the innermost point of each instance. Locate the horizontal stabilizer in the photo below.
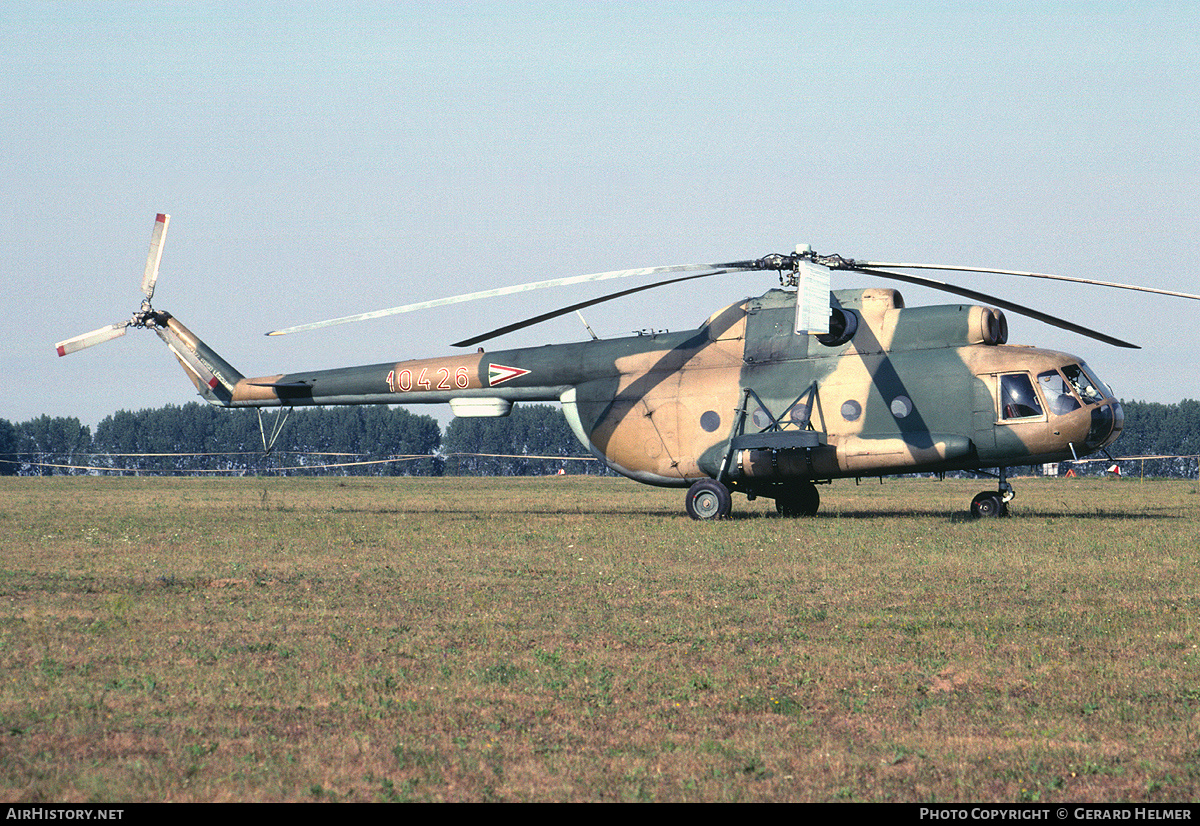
(474, 407)
(279, 384)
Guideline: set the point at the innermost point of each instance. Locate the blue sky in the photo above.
(318, 162)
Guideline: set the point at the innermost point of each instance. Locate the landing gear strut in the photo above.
(987, 503)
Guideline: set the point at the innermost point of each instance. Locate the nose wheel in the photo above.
(987, 504)
(993, 503)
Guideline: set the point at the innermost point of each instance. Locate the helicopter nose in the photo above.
(1107, 422)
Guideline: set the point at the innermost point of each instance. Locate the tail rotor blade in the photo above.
(152, 260)
(93, 338)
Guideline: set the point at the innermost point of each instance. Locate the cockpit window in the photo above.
(1084, 383)
(1017, 399)
(1057, 393)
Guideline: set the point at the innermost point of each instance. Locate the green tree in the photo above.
(508, 445)
(1154, 429)
(53, 445)
(200, 437)
(8, 448)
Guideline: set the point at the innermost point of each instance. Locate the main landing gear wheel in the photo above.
(708, 499)
(798, 500)
(988, 504)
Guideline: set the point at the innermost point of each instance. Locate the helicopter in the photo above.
(770, 397)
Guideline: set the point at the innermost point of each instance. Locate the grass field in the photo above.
(576, 639)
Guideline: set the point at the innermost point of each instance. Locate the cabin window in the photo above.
(1057, 393)
(761, 418)
(851, 410)
(1017, 397)
(800, 413)
(901, 407)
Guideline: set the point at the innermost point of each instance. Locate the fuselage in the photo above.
(908, 390)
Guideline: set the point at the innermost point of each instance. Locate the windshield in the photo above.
(1084, 382)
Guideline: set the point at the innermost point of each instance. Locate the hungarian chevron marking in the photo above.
(498, 374)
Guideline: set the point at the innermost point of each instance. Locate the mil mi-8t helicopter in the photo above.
(770, 396)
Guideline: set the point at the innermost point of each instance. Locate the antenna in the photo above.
(587, 326)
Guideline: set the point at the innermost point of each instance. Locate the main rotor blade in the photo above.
(1046, 318)
(1090, 281)
(529, 322)
(91, 339)
(518, 288)
(155, 257)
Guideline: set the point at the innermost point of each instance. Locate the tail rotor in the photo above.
(145, 316)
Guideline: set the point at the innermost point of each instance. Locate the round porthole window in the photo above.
(851, 410)
(800, 413)
(901, 406)
(710, 420)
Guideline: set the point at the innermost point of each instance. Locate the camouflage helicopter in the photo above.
(771, 396)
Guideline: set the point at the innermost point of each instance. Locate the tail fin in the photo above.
(213, 376)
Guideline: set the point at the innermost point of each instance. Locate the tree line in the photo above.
(1153, 429)
(376, 440)
(360, 440)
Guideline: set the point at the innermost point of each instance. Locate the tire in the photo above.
(708, 499)
(799, 500)
(986, 505)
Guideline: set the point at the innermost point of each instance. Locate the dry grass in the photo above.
(580, 639)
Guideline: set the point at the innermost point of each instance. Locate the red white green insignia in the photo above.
(498, 374)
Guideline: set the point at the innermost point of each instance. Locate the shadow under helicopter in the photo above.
(521, 509)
